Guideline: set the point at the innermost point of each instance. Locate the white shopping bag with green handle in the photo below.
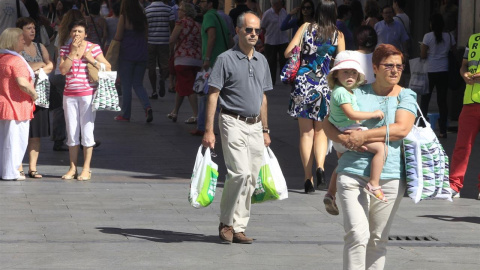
(271, 184)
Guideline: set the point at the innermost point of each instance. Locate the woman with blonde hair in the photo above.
(310, 96)
(17, 96)
(187, 41)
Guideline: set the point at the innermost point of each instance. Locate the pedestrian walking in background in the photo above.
(372, 13)
(367, 222)
(310, 95)
(469, 120)
(215, 40)
(299, 15)
(238, 81)
(133, 56)
(78, 96)
(37, 57)
(17, 96)
(8, 18)
(112, 23)
(344, 14)
(434, 49)
(97, 31)
(161, 20)
(392, 32)
(187, 41)
(276, 40)
(240, 7)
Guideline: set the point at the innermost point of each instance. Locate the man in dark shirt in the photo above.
(241, 7)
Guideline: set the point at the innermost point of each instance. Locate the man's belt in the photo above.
(248, 120)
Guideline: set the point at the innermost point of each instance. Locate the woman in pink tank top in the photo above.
(78, 96)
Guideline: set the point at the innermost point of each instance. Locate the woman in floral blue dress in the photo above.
(310, 96)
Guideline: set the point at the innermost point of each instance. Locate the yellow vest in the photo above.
(472, 92)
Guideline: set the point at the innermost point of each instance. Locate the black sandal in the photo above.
(34, 174)
(153, 96)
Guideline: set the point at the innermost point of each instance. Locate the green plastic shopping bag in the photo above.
(271, 184)
(204, 180)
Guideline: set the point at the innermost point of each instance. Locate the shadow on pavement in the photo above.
(470, 219)
(163, 236)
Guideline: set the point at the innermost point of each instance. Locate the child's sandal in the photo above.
(380, 196)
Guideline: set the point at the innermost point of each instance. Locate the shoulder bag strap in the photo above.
(39, 49)
(19, 14)
(303, 34)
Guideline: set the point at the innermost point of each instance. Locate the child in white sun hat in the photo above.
(346, 75)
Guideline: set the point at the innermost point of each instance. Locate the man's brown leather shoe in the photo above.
(225, 232)
(241, 238)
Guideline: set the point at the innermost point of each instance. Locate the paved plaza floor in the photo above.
(134, 213)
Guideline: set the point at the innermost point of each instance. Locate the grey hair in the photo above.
(241, 18)
(189, 10)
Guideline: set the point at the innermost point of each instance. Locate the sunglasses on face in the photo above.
(399, 67)
(249, 30)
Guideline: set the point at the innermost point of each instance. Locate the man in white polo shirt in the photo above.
(161, 20)
(276, 41)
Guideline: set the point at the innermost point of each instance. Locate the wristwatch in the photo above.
(266, 130)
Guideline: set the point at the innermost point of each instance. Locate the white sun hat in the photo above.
(348, 60)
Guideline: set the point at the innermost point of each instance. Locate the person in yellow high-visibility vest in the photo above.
(469, 120)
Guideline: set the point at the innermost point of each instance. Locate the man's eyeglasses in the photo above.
(399, 67)
(249, 30)
(306, 7)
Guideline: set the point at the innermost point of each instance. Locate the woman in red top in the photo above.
(16, 103)
(188, 59)
(78, 96)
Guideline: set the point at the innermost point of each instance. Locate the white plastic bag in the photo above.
(200, 86)
(419, 76)
(271, 184)
(426, 164)
(106, 96)
(204, 180)
(42, 87)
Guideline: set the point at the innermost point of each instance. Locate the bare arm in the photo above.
(295, 41)
(341, 42)
(404, 121)
(209, 136)
(65, 64)
(264, 117)
(46, 59)
(423, 51)
(358, 115)
(467, 76)
(27, 87)
(212, 37)
(174, 36)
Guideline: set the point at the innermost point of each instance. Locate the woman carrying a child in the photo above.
(367, 221)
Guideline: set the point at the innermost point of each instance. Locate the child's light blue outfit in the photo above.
(340, 95)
